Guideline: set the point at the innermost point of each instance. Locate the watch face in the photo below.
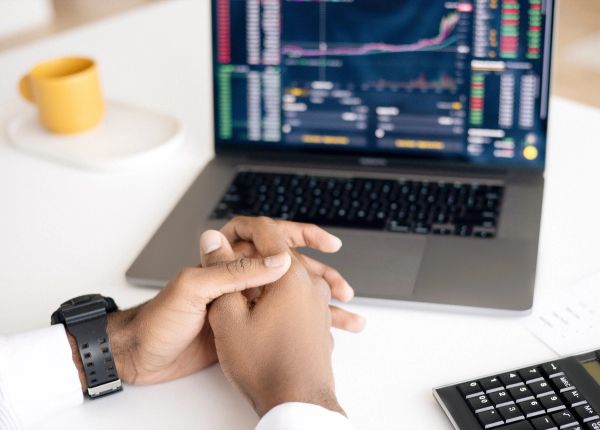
(82, 305)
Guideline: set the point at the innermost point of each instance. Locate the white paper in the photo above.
(570, 322)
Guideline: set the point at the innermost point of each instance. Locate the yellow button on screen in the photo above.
(530, 153)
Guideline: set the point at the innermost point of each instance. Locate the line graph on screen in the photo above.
(444, 39)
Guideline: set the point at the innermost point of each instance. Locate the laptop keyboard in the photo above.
(402, 206)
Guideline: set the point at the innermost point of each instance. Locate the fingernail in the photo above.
(278, 260)
(210, 241)
(362, 323)
(339, 242)
(350, 293)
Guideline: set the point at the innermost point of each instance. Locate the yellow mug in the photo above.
(66, 92)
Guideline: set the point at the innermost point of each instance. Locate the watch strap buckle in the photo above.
(108, 388)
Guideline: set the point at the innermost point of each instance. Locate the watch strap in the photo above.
(96, 356)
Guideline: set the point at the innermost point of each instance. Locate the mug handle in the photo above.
(25, 88)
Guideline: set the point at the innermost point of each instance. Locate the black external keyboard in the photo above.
(563, 394)
(402, 206)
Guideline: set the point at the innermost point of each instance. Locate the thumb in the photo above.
(230, 278)
(238, 275)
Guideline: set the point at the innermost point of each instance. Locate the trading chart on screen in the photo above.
(464, 80)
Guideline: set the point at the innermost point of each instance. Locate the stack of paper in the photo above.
(570, 323)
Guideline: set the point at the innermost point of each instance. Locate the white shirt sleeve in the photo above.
(37, 376)
(303, 416)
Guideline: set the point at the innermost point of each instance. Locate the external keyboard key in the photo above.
(564, 420)
(470, 389)
(511, 414)
(490, 419)
(586, 413)
(480, 403)
(532, 408)
(552, 403)
(500, 398)
(552, 370)
(521, 394)
(490, 385)
(562, 384)
(530, 374)
(511, 379)
(574, 398)
(594, 425)
(541, 388)
(543, 423)
(521, 425)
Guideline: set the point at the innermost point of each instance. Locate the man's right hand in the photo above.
(277, 348)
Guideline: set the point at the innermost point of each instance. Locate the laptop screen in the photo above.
(463, 81)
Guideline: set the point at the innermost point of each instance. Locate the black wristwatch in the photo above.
(84, 318)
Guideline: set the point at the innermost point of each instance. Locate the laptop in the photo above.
(413, 130)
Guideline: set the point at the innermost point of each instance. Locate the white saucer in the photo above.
(125, 133)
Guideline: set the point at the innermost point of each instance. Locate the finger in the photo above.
(233, 276)
(262, 232)
(245, 249)
(219, 277)
(340, 289)
(214, 248)
(323, 287)
(310, 235)
(345, 320)
(225, 282)
(269, 236)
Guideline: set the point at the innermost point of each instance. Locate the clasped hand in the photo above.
(254, 304)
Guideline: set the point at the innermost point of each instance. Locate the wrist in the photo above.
(121, 335)
(321, 397)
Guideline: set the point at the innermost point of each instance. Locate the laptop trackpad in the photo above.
(377, 265)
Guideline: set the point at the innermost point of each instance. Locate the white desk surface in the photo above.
(65, 232)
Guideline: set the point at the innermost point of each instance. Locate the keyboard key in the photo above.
(586, 413)
(594, 425)
(521, 425)
(501, 398)
(530, 374)
(511, 379)
(480, 403)
(564, 420)
(541, 388)
(552, 403)
(470, 389)
(490, 385)
(520, 394)
(543, 423)
(532, 408)
(552, 370)
(562, 384)
(490, 419)
(574, 398)
(511, 414)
